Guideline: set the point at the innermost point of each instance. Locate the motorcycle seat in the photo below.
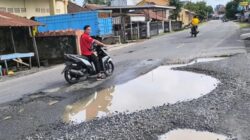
(83, 57)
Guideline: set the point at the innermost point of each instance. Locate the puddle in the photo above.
(160, 86)
(188, 134)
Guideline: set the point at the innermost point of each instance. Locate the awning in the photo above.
(10, 20)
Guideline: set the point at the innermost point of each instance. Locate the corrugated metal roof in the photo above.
(137, 7)
(155, 2)
(93, 6)
(10, 20)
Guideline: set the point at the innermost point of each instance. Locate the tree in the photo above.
(231, 9)
(200, 8)
(178, 5)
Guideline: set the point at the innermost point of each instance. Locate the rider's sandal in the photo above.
(100, 77)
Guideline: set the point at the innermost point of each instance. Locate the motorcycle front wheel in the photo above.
(109, 68)
(71, 78)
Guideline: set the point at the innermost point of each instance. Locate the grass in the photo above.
(244, 25)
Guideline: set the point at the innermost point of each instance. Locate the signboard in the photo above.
(138, 19)
(243, 3)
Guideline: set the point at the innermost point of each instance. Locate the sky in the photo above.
(209, 2)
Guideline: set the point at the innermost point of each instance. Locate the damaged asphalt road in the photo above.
(225, 110)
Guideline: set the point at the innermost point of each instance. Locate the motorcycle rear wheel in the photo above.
(70, 78)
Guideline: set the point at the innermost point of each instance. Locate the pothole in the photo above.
(160, 86)
(189, 134)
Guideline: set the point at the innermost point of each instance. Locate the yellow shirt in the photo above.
(195, 21)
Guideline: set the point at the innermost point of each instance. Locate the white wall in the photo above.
(133, 2)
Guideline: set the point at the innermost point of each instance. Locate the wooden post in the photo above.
(12, 40)
(123, 34)
(170, 25)
(163, 26)
(148, 29)
(131, 29)
(30, 62)
(6, 66)
(35, 47)
(138, 30)
(156, 12)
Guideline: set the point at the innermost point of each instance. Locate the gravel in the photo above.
(225, 110)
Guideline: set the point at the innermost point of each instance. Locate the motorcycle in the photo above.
(79, 67)
(194, 31)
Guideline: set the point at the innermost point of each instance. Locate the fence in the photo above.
(176, 25)
(143, 30)
(155, 27)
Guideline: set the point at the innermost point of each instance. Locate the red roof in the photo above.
(73, 8)
(93, 6)
(10, 20)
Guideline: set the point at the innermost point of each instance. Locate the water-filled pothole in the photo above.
(160, 86)
(189, 134)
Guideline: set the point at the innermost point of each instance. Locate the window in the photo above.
(38, 10)
(10, 10)
(47, 10)
(42, 10)
(17, 10)
(58, 11)
(2, 9)
(23, 10)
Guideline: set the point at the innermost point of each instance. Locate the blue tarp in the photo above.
(76, 21)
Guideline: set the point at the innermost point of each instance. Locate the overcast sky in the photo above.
(209, 2)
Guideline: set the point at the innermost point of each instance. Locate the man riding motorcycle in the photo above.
(195, 22)
(86, 42)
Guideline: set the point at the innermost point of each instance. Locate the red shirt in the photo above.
(85, 43)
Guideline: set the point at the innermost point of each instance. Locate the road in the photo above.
(215, 39)
(33, 114)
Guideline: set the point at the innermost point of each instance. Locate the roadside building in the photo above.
(155, 2)
(154, 13)
(73, 8)
(185, 16)
(31, 8)
(220, 9)
(16, 39)
(119, 2)
(135, 22)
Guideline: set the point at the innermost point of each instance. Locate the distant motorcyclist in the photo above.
(195, 22)
(86, 43)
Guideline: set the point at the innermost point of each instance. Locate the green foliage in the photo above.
(178, 5)
(200, 8)
(231, 9)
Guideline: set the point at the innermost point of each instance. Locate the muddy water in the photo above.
(188, 134)
(160, 86)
